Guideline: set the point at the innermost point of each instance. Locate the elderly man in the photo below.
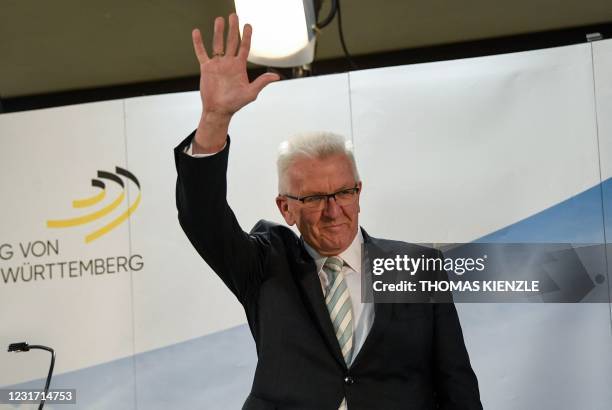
(319, 345)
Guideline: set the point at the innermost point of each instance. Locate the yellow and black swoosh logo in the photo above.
(100, 183)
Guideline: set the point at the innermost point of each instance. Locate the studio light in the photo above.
(283, 31)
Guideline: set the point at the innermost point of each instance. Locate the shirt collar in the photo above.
(351, 255)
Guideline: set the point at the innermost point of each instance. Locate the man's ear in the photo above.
(359, 185)
(283, 207)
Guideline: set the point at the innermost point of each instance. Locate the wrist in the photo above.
(215, 119)
(211, 134)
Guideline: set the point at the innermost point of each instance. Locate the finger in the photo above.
(233, 35)
(245, 45)
(260, 82)
(198, 46)
(218, 36)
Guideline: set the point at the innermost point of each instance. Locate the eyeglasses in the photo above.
(317, 202)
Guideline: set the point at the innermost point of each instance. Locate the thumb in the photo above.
(260, 82)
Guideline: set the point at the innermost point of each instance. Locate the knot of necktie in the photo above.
(332, 267)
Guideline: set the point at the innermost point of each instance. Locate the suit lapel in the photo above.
(382, 317)
(382, 311)
(310, 285)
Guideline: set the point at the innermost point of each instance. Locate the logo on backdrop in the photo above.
(95, 199)
(40, 260)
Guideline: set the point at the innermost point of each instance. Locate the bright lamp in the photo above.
(283, 34)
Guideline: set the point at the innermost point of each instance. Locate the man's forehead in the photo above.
(321, 174)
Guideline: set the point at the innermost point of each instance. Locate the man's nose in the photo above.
(332, 209)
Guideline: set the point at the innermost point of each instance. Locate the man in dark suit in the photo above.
(319, 346)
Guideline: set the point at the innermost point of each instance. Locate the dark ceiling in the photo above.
(63, 45)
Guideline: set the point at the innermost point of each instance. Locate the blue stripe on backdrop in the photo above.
(575, 220)
(106, 386)
(606, 189)
(216, 371)
(209, 372)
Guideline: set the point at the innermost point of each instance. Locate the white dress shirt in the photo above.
(189, 151)
(363, 313)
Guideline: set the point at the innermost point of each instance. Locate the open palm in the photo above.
(224, 84)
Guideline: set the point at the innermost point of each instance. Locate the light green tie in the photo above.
(338, 301)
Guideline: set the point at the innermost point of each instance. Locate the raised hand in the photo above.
(224, 84)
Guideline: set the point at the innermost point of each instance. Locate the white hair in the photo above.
(312, 145)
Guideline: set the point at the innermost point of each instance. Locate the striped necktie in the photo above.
(338, 301)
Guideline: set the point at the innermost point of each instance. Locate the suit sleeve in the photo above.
(211, 226)
(455, 381)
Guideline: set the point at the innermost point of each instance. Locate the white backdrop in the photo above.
(48, 159)
(478, 144)
(449, 151)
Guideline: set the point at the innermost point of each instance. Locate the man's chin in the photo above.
(333, 247)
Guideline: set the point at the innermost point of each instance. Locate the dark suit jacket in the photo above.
(413, 358)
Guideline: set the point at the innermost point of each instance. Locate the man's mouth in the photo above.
(334, 227)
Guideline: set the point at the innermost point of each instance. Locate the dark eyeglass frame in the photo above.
(306, 199)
